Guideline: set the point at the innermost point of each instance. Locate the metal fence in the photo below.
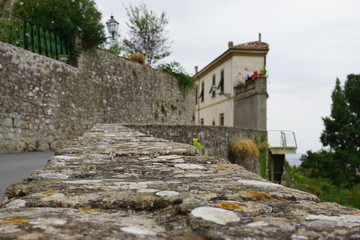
(33, 38)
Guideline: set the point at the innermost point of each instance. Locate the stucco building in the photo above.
(231, 90)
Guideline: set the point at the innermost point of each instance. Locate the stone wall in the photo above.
(44, 102)
(117, 183)
(215, 139)
(250, 104)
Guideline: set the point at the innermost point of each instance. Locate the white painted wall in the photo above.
(212, 107)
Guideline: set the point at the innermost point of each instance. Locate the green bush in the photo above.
(185, 81)
(323, 188)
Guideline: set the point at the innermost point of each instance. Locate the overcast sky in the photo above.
(312, 42)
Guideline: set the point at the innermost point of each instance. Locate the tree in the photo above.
(147, 33)
(78, 22)
(342, 135)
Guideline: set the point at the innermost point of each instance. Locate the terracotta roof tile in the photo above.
(253, 45)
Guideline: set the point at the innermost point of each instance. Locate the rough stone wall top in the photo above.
(116, 183)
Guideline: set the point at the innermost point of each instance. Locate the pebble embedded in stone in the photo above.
(16, 204)
(216, 215)
(257, 224)
(167, 193)
(129, 185)
(189, 166)
(83, 181)
(138, 231)
(67, 157)
(259, 183)
(53, 175)
(345, 220)
(148, 190)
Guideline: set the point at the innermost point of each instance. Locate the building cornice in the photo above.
(228, 54)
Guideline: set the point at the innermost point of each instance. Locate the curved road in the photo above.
(15, 167)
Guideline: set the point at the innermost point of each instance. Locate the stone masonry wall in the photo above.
(117, 183)
(44, 102)
(215, 139)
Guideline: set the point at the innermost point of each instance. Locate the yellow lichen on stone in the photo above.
(221, 169)
(258, 195)
(88, 209)
(229, 205)
(91, 166)
(50, 192)
(15, 221)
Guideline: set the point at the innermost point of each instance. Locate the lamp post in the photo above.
(112, 26)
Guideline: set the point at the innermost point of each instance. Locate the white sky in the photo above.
(312, 42)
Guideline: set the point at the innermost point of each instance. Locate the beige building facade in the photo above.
(227, 81)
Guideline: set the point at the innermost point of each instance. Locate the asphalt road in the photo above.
(17, 166)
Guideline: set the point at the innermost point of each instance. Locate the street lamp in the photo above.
(112, 26)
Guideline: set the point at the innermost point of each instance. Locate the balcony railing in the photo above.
(282, 141)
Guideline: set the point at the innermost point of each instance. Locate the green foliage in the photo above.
(198, 145)
(342, 131)
(263, 146)
(147, 33)
(262, 71)
(185, 81)
(323, 187)
(76, 21)
(115, 48)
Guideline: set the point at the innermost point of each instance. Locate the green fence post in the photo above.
(13, 34)
(36, 39)
(53, 46)
(48, 44)
(6, 34)
(58, 47)
(28, 37)
(42, 42)
(21, 35)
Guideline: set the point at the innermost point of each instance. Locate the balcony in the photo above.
(282, 142)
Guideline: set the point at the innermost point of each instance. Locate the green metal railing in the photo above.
(33, 38)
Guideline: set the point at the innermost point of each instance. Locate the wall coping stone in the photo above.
(117, 183)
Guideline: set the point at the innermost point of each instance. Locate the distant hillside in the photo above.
(294, 159)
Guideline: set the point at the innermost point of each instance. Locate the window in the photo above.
(213, 83)
(222, 119)
(222, 79)
(213, 122)
(196, 94)
(202, 91)
(202, 121)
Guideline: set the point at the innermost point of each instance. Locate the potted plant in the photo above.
(262, 72)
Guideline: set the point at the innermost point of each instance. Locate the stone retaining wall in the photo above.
(117, 183)
(44, 102)
(215, 139)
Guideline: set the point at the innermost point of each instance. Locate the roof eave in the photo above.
(227, 54)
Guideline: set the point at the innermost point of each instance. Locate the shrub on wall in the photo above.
(186, 82)
(137, 57)
(244, 149)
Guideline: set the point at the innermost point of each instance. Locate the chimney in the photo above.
(231, 44)
(196, 69)
(259, 37)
